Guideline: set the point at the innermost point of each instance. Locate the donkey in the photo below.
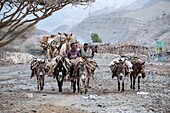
(121, 73)
(83, 77)
(79, 74)
(60, 72)
(138, 71)
(40, 75)
(74, 78)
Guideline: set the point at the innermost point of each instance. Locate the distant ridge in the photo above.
(145, 21)
(40, 32)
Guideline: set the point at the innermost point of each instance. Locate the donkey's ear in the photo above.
(143, 63)
(52, 35)
(56, 60)
(65, 34)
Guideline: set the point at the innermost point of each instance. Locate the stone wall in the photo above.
(14, 58)
(123, 49)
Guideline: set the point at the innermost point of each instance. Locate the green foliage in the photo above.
(95, 38)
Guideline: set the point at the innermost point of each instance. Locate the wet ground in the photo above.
(18, 93)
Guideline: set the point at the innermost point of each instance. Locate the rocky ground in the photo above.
(18, 92)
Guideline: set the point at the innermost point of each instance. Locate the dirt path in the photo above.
(18, 92)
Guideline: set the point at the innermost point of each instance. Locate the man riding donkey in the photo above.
(72, 54)
(88, 55)
(114, 65)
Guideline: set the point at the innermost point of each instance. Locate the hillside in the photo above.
(127, 22)
(138, 4)
(40, 32)
(108, 27)
(62, 28)
(158, 29)
(28, 42)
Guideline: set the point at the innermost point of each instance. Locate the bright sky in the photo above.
(73, 15)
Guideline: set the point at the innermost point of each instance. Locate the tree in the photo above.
(95, 38)
(16, 13)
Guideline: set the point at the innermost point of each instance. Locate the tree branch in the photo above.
(17, 13)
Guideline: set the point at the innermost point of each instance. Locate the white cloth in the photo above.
(128, 63)
(87, 54)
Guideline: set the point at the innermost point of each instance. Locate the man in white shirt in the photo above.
(86, 52)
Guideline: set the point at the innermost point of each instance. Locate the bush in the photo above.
(95, 38)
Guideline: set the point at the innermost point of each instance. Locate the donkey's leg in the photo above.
(32, 73)
(139, 82)
(118, 84)
(123, 86)
(38, 83)
(85, 86)
(78, 85)
(74, 86)
(131, 81)
(42, 84)
(62, 84)
(134, 80)
(59, 85)
(88, 82)
(71, 87)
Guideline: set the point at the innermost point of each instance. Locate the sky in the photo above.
(71, 15)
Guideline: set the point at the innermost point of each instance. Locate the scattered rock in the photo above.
(30, 95)
(53, 89)
(15, 57)
(101, 106)
(34, 111)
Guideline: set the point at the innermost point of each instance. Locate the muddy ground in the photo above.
(18, 92)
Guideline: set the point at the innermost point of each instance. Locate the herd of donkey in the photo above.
(57, 65)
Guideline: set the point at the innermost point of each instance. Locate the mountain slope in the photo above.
(120, 26)
(62, 28)
(158, 29)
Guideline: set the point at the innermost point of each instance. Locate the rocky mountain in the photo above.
(126, 23)
(72, 15)
(158, 29)
(62, 28)
(40, 32)
(138, 4)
